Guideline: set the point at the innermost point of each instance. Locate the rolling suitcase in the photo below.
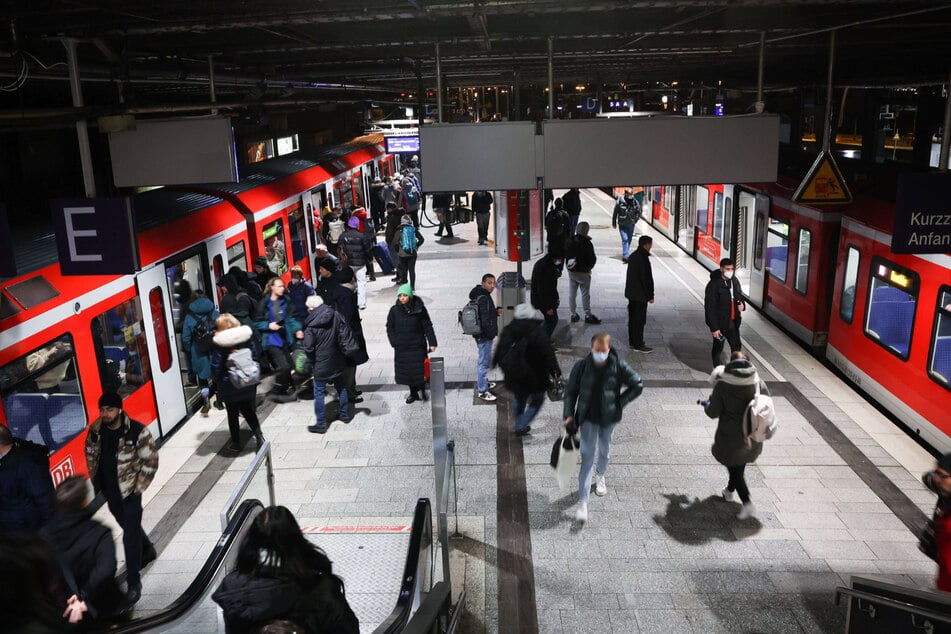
(382, 256)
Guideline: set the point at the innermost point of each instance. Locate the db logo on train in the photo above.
(62, 471)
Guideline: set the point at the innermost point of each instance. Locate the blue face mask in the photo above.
(599, 357)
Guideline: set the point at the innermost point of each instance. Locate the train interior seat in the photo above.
(49, 420)
(941, 362)
(66, 415)
(891, 322)
(776, 260)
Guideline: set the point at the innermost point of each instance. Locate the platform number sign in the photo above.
(62, 470)
(95, 236)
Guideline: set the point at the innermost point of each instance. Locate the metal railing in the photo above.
(262, 457)
(877, 606)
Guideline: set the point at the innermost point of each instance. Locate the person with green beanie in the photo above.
(410, 331)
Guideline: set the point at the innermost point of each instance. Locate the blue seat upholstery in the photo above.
(776, 260)
(891, 322)
(116, 353)
(26, 417)
(941, 361)
(890, 294)
(66, 415)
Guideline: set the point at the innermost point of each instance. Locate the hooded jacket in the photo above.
(137, 459)
(410, 332)
(262, 317)
(716, 302)
(357, 246)
(488, 315)
(482, 202)
(734, 387)
(226, 341)
(581, 251)
(639, 286)
(299, 292)
(533, 371)
(236, 301)
(201, 308)
(25, 489)
(329, 341)
(393, 217)
(580, 390)
(545, 284)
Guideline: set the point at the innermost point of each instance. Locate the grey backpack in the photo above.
(243, 370)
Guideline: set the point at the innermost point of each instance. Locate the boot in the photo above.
(259, 438)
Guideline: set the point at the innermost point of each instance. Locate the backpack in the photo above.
(759, 419)
(335, 229)
(303, 364)
(38, 453)
(203, 333)
(470, 319)
(408, 242)
(412, 197)
(514, 363)
(625, 211)
(243, 370)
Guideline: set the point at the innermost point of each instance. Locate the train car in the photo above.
(64, 340)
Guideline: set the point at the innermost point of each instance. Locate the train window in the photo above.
(718, 216)
(121, 349)
(777, 248)
(727, 223)
(274, 249)
(41, 396)
(702, 205)
(298, 234)
(357, 189)
(802, 260)
(160, 326)
(217, 269)
(657, 194)
(939, 363)
(892, 296)
(669, 197)
(237, 256)
(345, 188)
(847, 299)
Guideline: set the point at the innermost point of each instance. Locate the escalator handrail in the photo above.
(903, 606)
(193, 594)
(437, 603)
(420, 537)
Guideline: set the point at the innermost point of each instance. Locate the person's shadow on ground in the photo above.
(701, 521)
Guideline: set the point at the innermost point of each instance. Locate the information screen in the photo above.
(397, 144)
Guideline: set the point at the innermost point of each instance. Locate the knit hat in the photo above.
(261, 261)
(110, 399)
(405, 289)
(405, 221)
(354, 222)
(945, 462)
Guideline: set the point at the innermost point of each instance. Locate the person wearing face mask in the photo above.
(722, 305)
(299, 290)
(545, 297)
(627, 212)
(594, 398)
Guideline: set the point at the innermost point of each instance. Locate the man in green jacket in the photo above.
(593, 402)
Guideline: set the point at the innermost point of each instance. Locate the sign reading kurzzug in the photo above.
(95, 236)
(923, 214)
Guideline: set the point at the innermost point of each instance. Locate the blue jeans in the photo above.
(320, 389)
(627, 234)
(526, 407)
(482, 366)
(593, 436)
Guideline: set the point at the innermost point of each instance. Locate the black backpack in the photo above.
(203, 334)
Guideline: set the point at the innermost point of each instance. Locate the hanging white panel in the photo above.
(470, 156)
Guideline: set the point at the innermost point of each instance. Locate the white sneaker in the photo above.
(492, 385)
(488, 397)
(746, 512)
(582, 513)
(727, 495)
(600, 488)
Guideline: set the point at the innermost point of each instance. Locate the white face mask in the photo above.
(600, 357)
(728, 274)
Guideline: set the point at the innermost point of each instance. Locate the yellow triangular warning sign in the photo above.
(823, 183)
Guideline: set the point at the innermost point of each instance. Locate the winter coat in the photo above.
(198, 309)
(137, 460)
(442, 201)
(239, 304)
(410, 331)
(716, 302)
(582, 252)
(397, 243)
(341, 298)
(404, 201)
(540, 364)
(357, 246)
(580, 389)
(640, 277)
(262, 317)
(85, 548)
(488, 315)
(545, 284)
(328, 341)
(251, 602)
(376, 198)
(626, 212)
(392, 224)
(482, 202)
(942, 533)
(572, 202)
(226, 341)
(299, 293)
(734, 387)
(390, 193)
(25, 489)
(556, 224)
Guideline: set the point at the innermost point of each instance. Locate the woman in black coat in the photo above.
(232, 335)
(410, 331)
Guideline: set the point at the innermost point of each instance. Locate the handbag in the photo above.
(564, 459)
(557, 391)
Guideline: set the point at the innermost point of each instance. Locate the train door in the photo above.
(186, 275)
(723, 221)
(160, 335)
(218, 254)
(687, 214)
(752, 222)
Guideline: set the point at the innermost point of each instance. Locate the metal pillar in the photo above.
(438, 85)
(518, 98)
(211, 82)
(437, 389)
(420, 90)
(82, 132)
(760, 106)
(551, 76)
(946, 137)
(826, 136)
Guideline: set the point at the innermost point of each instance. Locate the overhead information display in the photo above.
(923, 214)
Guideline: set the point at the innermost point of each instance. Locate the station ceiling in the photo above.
(145, 53)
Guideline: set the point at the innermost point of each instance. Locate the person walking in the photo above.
(236, 301)
(556, 228)
(572, 202)
(298, 290)
(938, 480)
(488, 320)
(359, 251)
(482, 202)
(411, 335)
(25, 484)
(580, 263)
(410, 199)
(722, 306)
(232, 335)
(406, 243)
(377, 205)
(626, 214)
(528, 363)
(442, 203)
(333, 227)
(639, 291)
(734, 386)
(598, 389)
(201, 317)
(121, 459)
(280, 575)
(393, 216)
(279, 328)
(328, 341)
(545, 297)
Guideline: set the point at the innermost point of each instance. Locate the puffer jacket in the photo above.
(198, 309)
(488, 315)
(716, 302)
(580, 389)
(734, 387)
(137, 459)
(545, 284)
(328, 341)
(25, 489)
(540, 363)
(357, 246)
(225, 342)
(410, 332)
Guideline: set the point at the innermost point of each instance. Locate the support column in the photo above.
(760, 106)
(551, 80)
(211, 82)
(82, 132)
(420, 91)
(518, 98)
(946, 137)
(827, 131)
(438, 85)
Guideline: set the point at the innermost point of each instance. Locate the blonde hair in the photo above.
(226, 321)
(271, 282)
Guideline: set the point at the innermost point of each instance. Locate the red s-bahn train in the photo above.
(828, 276)
(64, 340)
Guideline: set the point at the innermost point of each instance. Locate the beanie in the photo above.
(405, 289)
(110, 399)
(354, 222)
(945, 462)
(261, 261)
